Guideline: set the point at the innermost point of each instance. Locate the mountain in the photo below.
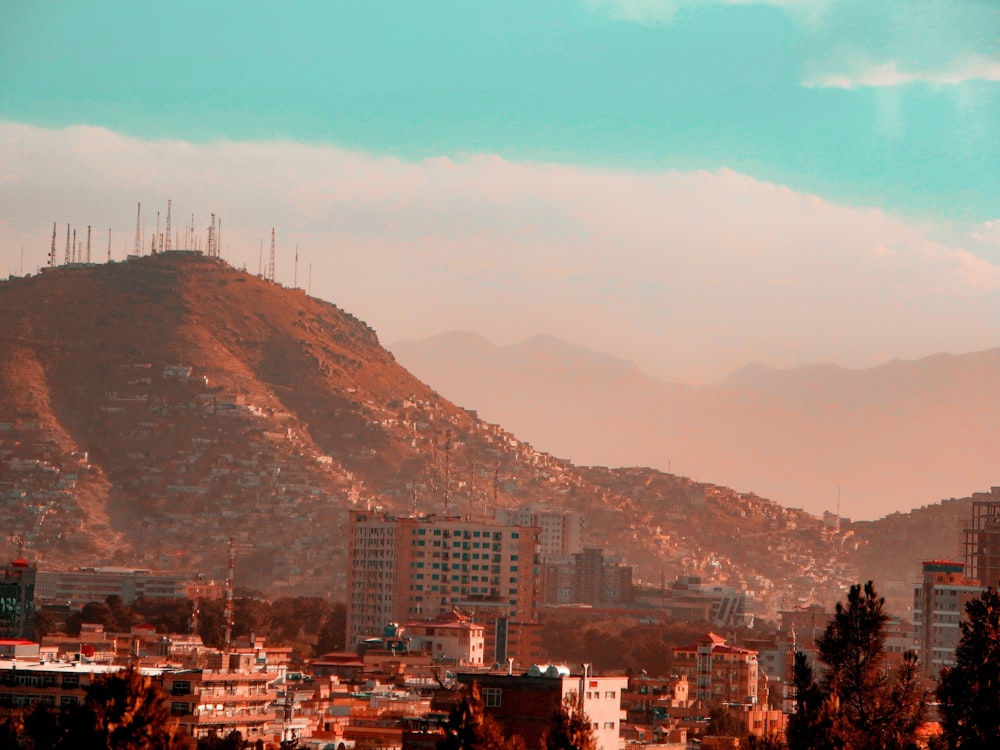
(151, 410)
(884, 439)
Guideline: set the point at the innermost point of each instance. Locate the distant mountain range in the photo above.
(151, 410)
(887, 439)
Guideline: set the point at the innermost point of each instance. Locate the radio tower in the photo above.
(138, 231)
(88, 243)
(157, 238)
(109, 244)
(228, 616)
(218, 240)
(68, 256)
(210, 248)
(270, 265)
(72, 256)
(166, 241)
(52, 250)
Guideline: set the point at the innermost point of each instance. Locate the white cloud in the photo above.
(965, 68)
(690, 274)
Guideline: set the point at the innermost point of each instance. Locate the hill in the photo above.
(150, 410)
(885, 439)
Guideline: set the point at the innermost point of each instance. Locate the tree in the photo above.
(969, 692)
(121, 711)
(858, 703)
(470, 728)
(723, 723)
(571, 729)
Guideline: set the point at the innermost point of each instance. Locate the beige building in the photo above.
(406, 568)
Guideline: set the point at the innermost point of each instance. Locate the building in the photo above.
(938, 607)
(231, 698)
(508, 640)
(586, 577)
(405, 568)
(76, 588)
(719, 672)
(524, 704)
(451, 637)
(17, 599)
(982, 538)
(559, 532)
(56, 684)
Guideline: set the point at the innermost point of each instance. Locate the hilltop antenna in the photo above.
(260, 258)
(157, 238)
(138, 230)
(210, 248)
(88, 243)
(218, 240)
(228, 616)
(295, 278)
(270, 265)
(109, 244)
(166, 247)
(66, 259)
(73, 256)
(189, 234)
(52, 249)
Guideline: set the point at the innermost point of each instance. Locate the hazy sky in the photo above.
(689, 185)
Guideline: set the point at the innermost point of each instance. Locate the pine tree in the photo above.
(969, 692)
(571, 729)
(470, 728)
(858, 702)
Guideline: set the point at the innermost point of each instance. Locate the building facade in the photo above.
(938, 607)
(17, 599)
(407, 568)
(79, 587)
(718, 671)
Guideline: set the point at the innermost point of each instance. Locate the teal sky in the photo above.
(894, 105)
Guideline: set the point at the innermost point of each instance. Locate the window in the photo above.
(179, 688)
(609, 725)
(179, 709)
(71, 680)
(491, 697)
(610, 694)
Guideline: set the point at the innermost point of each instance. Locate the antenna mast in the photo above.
(88, 243)
(73, 255)
(157, 238)
(138, 224)
(109, 244)
(210, 245)
(67, 258)
(166, 245)
(295, 282)
(228, 616)
(52, 250)
(270, 265)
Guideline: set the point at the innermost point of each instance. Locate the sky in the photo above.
(693, 186)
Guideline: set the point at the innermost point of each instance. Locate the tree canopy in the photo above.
(969, 692)
(858, 702)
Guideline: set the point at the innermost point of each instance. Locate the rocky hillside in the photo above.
(152, 409)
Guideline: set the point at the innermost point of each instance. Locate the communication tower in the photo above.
(72, 257)
(66, 260)
(210, 245)
(228, 616)
(138, 230)
(52, 249)
(88, 243)
(270, 265)
(166, 246)
(109, 244)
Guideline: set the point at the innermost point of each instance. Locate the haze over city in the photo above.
(689, 187)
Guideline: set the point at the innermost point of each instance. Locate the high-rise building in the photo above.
(17, 599)
(407, 568)
(982, 538)
(938, 606)
(720, 672)
(560, 532)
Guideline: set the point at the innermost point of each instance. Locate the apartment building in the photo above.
(406, 568)
(938, 607)
(719, 671)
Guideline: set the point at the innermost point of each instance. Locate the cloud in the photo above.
(965, 68)
(690, 274)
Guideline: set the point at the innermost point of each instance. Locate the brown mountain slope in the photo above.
(152, 409)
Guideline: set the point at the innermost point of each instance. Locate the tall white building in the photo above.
(560, 532)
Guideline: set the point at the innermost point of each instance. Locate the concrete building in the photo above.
(586, 577)
(405, 568)
(982, 538)
(524, 704)
(718, 671)
(17, 599)
(938, 607)
(559, 532)
(451, 637)
(78, 587)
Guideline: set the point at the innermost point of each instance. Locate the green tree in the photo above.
(723, 723)
(571, 728)
(858, 703)
(332, 635)
(470, 728)
(969, 692)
